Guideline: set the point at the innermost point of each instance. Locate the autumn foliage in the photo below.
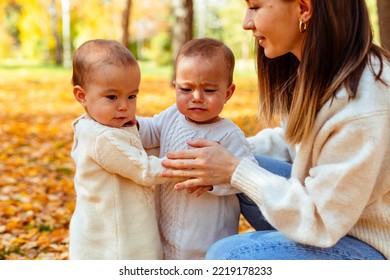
(36, 172)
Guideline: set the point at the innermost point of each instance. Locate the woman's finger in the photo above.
(199, 143)
(178, 164)
(183, 173)
(183, 154)
(192, 153)
(188, 184)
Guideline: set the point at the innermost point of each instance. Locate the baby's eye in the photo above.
(185, 89)
(210, 90)
(112, 97)
(133, 96)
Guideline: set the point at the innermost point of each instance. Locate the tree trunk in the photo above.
(126, 23)
(183, 29)
(66, 42)
(201, 11)
(384, 22)
(53, 21)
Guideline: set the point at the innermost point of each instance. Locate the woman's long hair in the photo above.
(336, 50)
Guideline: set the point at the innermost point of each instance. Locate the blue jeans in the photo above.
(266, 243)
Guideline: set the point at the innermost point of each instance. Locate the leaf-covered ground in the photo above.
(36, 172)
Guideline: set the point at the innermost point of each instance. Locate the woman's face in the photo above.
(275, 24)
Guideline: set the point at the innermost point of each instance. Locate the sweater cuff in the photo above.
(252, 180)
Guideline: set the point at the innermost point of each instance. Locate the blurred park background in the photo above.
(38, 39)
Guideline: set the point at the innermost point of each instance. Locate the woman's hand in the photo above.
(208, 164)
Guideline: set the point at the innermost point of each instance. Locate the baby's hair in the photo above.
(210, 49)
(94, 54)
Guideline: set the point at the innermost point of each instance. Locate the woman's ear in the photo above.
(80, 95)
(306, 10)
(229, 92)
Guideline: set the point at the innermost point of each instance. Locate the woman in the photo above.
(319, 70)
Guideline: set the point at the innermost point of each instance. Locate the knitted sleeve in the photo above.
(121, 152)
(322, 207)
(271, 142)
(150, 128)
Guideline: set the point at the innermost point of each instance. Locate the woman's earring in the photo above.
(302, 26)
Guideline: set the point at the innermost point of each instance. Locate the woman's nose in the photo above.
(248, 23)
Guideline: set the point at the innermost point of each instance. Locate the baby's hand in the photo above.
(199, 190)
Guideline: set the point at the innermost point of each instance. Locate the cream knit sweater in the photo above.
(341, 174)
(115, 215)
(189, 225)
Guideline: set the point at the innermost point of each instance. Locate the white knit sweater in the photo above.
(189, 225)
(115, 215)
(341, 174)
